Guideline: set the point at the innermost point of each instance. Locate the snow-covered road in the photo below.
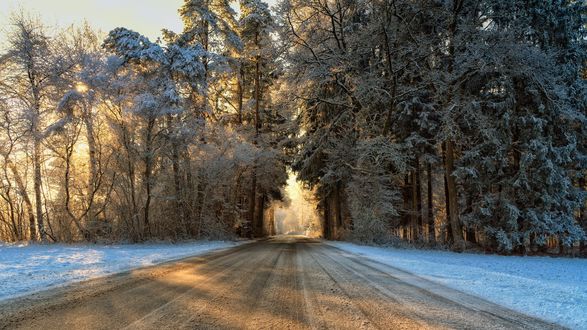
(29, 268)
(280, 283)
(553, 289)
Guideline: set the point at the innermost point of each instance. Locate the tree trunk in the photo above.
(179, 204)
(240, 93)
(260, 216)
(252, 203)
(335, 214)
(133, 194)
(414, 207)
(327, 231)
(92, 162)
(257, 89)
(131, 172)
(202, 186)
(470, 231)
(419, 200)
(452, 197)
(8, 198)
(392, 81)
(37, 187)
(189, 192)
(407, 205)
(27, 201)
(80, 228)
(146, 224)
(431, 229)
(447, 227)
(253, 195)
(451, 188)
(583, 214)
(178, 187)
(148, 173)
(340, 220)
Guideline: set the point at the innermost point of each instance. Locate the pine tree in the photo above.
(254, 28)
(520, 116)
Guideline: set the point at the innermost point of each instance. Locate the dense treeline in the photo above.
(442, 121)
(119, 137)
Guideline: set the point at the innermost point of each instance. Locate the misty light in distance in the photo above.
(297, 215)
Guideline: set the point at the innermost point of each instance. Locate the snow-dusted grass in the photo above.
(26, 269)
(553, 289)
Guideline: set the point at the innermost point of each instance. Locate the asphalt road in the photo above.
(283, 283)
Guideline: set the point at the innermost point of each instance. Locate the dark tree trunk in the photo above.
(419, 199)
(27, 201)
(452, 193)
(148, 173)
(252, 204)
(414, 208)
(327, 231)
(406, 217)
(448, 227)
(453, 214)
(240, 92)
(177, 180)
(37, 185)
(431, 229)
(260, 229)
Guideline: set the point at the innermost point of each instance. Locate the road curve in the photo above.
(284, 283)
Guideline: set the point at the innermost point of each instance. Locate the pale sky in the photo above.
(145, 16)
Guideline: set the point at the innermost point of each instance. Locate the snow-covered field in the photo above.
(28, 268)
(553, 289)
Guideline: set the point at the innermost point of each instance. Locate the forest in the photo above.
(442, 123)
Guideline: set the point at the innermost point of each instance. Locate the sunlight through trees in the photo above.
(456, 124)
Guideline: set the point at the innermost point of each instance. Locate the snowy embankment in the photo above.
(26, 269)
(554, 289)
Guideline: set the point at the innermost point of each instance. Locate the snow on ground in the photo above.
(554, 289)
(25, 269)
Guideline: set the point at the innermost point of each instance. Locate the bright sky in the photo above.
(145, 16)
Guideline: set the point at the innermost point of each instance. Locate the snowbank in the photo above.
(554, 289)
(28, 268)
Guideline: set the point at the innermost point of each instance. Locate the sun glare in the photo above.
(81, 87)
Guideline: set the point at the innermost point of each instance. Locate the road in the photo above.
(284, 283)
